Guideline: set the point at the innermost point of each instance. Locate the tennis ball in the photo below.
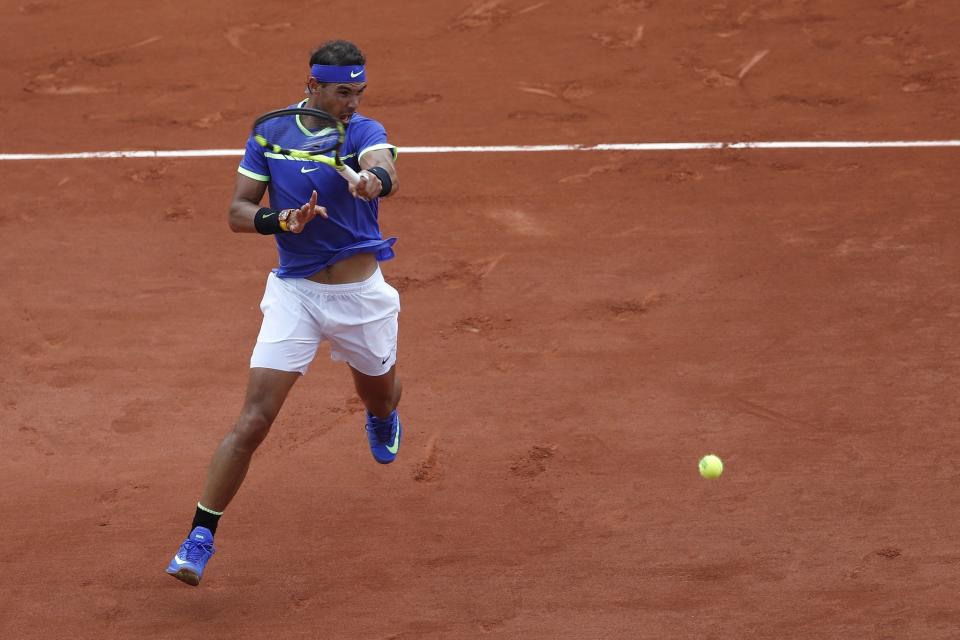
(711, 467)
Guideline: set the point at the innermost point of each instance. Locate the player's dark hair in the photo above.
(340, 53)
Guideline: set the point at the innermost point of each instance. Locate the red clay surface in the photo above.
(577, 329)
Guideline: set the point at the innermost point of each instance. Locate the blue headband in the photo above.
(333, 73)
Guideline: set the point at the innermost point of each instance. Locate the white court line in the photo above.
(641, 146)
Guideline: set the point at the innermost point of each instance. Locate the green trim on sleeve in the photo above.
(252, 175)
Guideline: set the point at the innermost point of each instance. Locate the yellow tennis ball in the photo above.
(711, 466)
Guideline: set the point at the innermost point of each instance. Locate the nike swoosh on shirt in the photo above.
(396, 441)
(305, 170)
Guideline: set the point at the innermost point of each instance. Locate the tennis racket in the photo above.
(318, 147)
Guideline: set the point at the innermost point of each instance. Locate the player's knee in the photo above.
(252, 427)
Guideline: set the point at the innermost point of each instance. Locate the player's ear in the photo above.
(312, 85)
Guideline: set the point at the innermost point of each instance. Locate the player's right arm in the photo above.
(245, 204)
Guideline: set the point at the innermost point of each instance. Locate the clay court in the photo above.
(578, 327)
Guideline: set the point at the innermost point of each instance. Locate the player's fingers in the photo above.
(362, 186)
(374, 186)
(296, 221)
(321, 211)
(304, 208)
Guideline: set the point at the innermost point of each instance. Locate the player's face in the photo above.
(339, 100)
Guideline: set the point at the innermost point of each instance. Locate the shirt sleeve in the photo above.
(372, 137)
(254, 163)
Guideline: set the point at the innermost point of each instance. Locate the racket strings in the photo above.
(322, 141)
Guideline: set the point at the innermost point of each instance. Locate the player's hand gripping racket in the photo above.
(328, 138)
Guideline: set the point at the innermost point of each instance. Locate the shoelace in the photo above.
(383, 430)
(197, 551)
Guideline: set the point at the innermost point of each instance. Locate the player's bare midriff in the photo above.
(356, 268)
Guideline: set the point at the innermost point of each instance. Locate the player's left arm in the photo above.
(377, 167)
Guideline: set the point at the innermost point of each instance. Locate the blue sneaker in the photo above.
(192, 557)
(384, 437)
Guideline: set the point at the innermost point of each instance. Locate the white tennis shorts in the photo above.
(359, 319)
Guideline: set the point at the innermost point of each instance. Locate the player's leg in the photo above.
(286, 345)
(362, 321)
(266, 391)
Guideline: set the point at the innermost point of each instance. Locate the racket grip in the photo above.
(350, 175)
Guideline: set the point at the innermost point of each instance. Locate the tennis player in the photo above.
(328, 285)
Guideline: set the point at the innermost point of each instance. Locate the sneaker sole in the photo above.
(185, 575)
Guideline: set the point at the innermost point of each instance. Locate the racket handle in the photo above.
(350, 175)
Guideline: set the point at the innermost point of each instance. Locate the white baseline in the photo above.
(638, 146)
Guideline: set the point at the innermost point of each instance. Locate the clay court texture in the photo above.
(578, 327)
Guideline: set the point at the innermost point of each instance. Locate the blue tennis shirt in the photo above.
(352, 225)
